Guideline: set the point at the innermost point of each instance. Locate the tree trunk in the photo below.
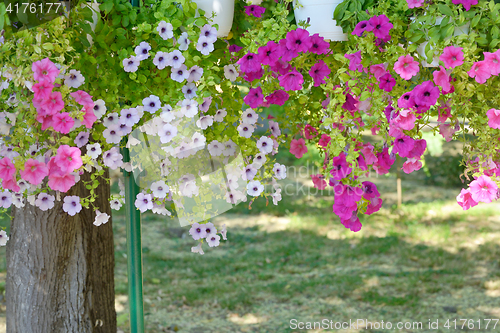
(60, 269)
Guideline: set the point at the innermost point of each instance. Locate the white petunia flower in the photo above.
(224, 232)
(276, 196)
(245, 130)
(265, 145)
(100, 218)
(204, 46)
(229, 148)
(255, 188)
(197, 249)
(5, 199)
(113, 134)
(165, 30)
(189, 108)
(18, 200)
(142, 51)
(161, 60)
(275, 129)
(74, 79)
(209, 32)
(111, 119)
(198, 231)
(279, 171)
(131, 64)
(45, 201)
(213, 240)
(176, 59)
(215, 148)
(94, 150)
(198, 141)
(195, 73)
(112, 158)
(219, 115)
(151, 103)
(249, 117)
(144, 202)
(81, 139)
(179, 74)
(259, 160)
(183, 41)
(115, 204)
(249, 173)
(4, 238)
(160, 189)
(205, 122)
(189, 90)
(230, 72)
(99, 108)
(72, 205)
(129, 117)
(167, 133)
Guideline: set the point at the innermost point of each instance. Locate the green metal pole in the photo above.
(134, 251)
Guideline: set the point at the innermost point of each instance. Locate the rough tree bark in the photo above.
(60, 269)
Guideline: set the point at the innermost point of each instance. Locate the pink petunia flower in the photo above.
(411, 164)
(492, 60)
(298, 147)
(426, 94)
(42, 90)
(415, 3)
(352, 223)
(447, 131)
(493, 118)
(378, 70)
(254, 98)
(61, 182)
(53, 103)
(319, 181)
(374, 205)
(34, 171)
(291, 81)
(464, 199)
(418, 149)
(483, 189)
(62, 122)
(269, 53)
(405, 120)
(44, 70)
(89, 117)
(442, 78)
(7, 168)
(452, 56)
(406, 67)
(254, 10)
(480, 71)
(68, 158)
(82, 98)
(403, 146)
(319, 71)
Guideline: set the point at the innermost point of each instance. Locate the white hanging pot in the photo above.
(320, 15)
(464, 29)
(224, 12)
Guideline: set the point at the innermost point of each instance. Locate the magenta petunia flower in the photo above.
(480, 71)
(406, 67)
(291, 81)
(234, 48)
(343, 211)
(411, 164)
(319, 45)
(298, 147)
(34, 171)
(387, 82)
(250, 62)
(362, 27)
(483, 189)
(319, 71)
(44, 70)
(355, 61)
(270, 53)
(466, 3)
(369, 190)
(426, 94)
(347, 195)
(310, 132)
(493, 118)
(419, 147)
(492, 60)
(62, 122)
(381, 26)
(374, 205)
(452, 56)
(442, 78)
(415, 3)
(324, 140)
(403, 146)
(464, 199)
(286, 53)
(278, 97)
(254, 10)
(254, 98)
(298, 40)
(340, 167)
(251, 76)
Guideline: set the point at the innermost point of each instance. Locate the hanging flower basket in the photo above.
(320, 16)
(224, 13)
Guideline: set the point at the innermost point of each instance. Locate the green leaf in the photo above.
(133, 16)
(142, 78)
(106, 7)
(116, 20)
(48, 46)
(416, 37)
(125, 21)
(176, 23)
(86, 27)
(495, 32)
(475, 21)
(338, 14)
(444, 9)
(494, 43)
